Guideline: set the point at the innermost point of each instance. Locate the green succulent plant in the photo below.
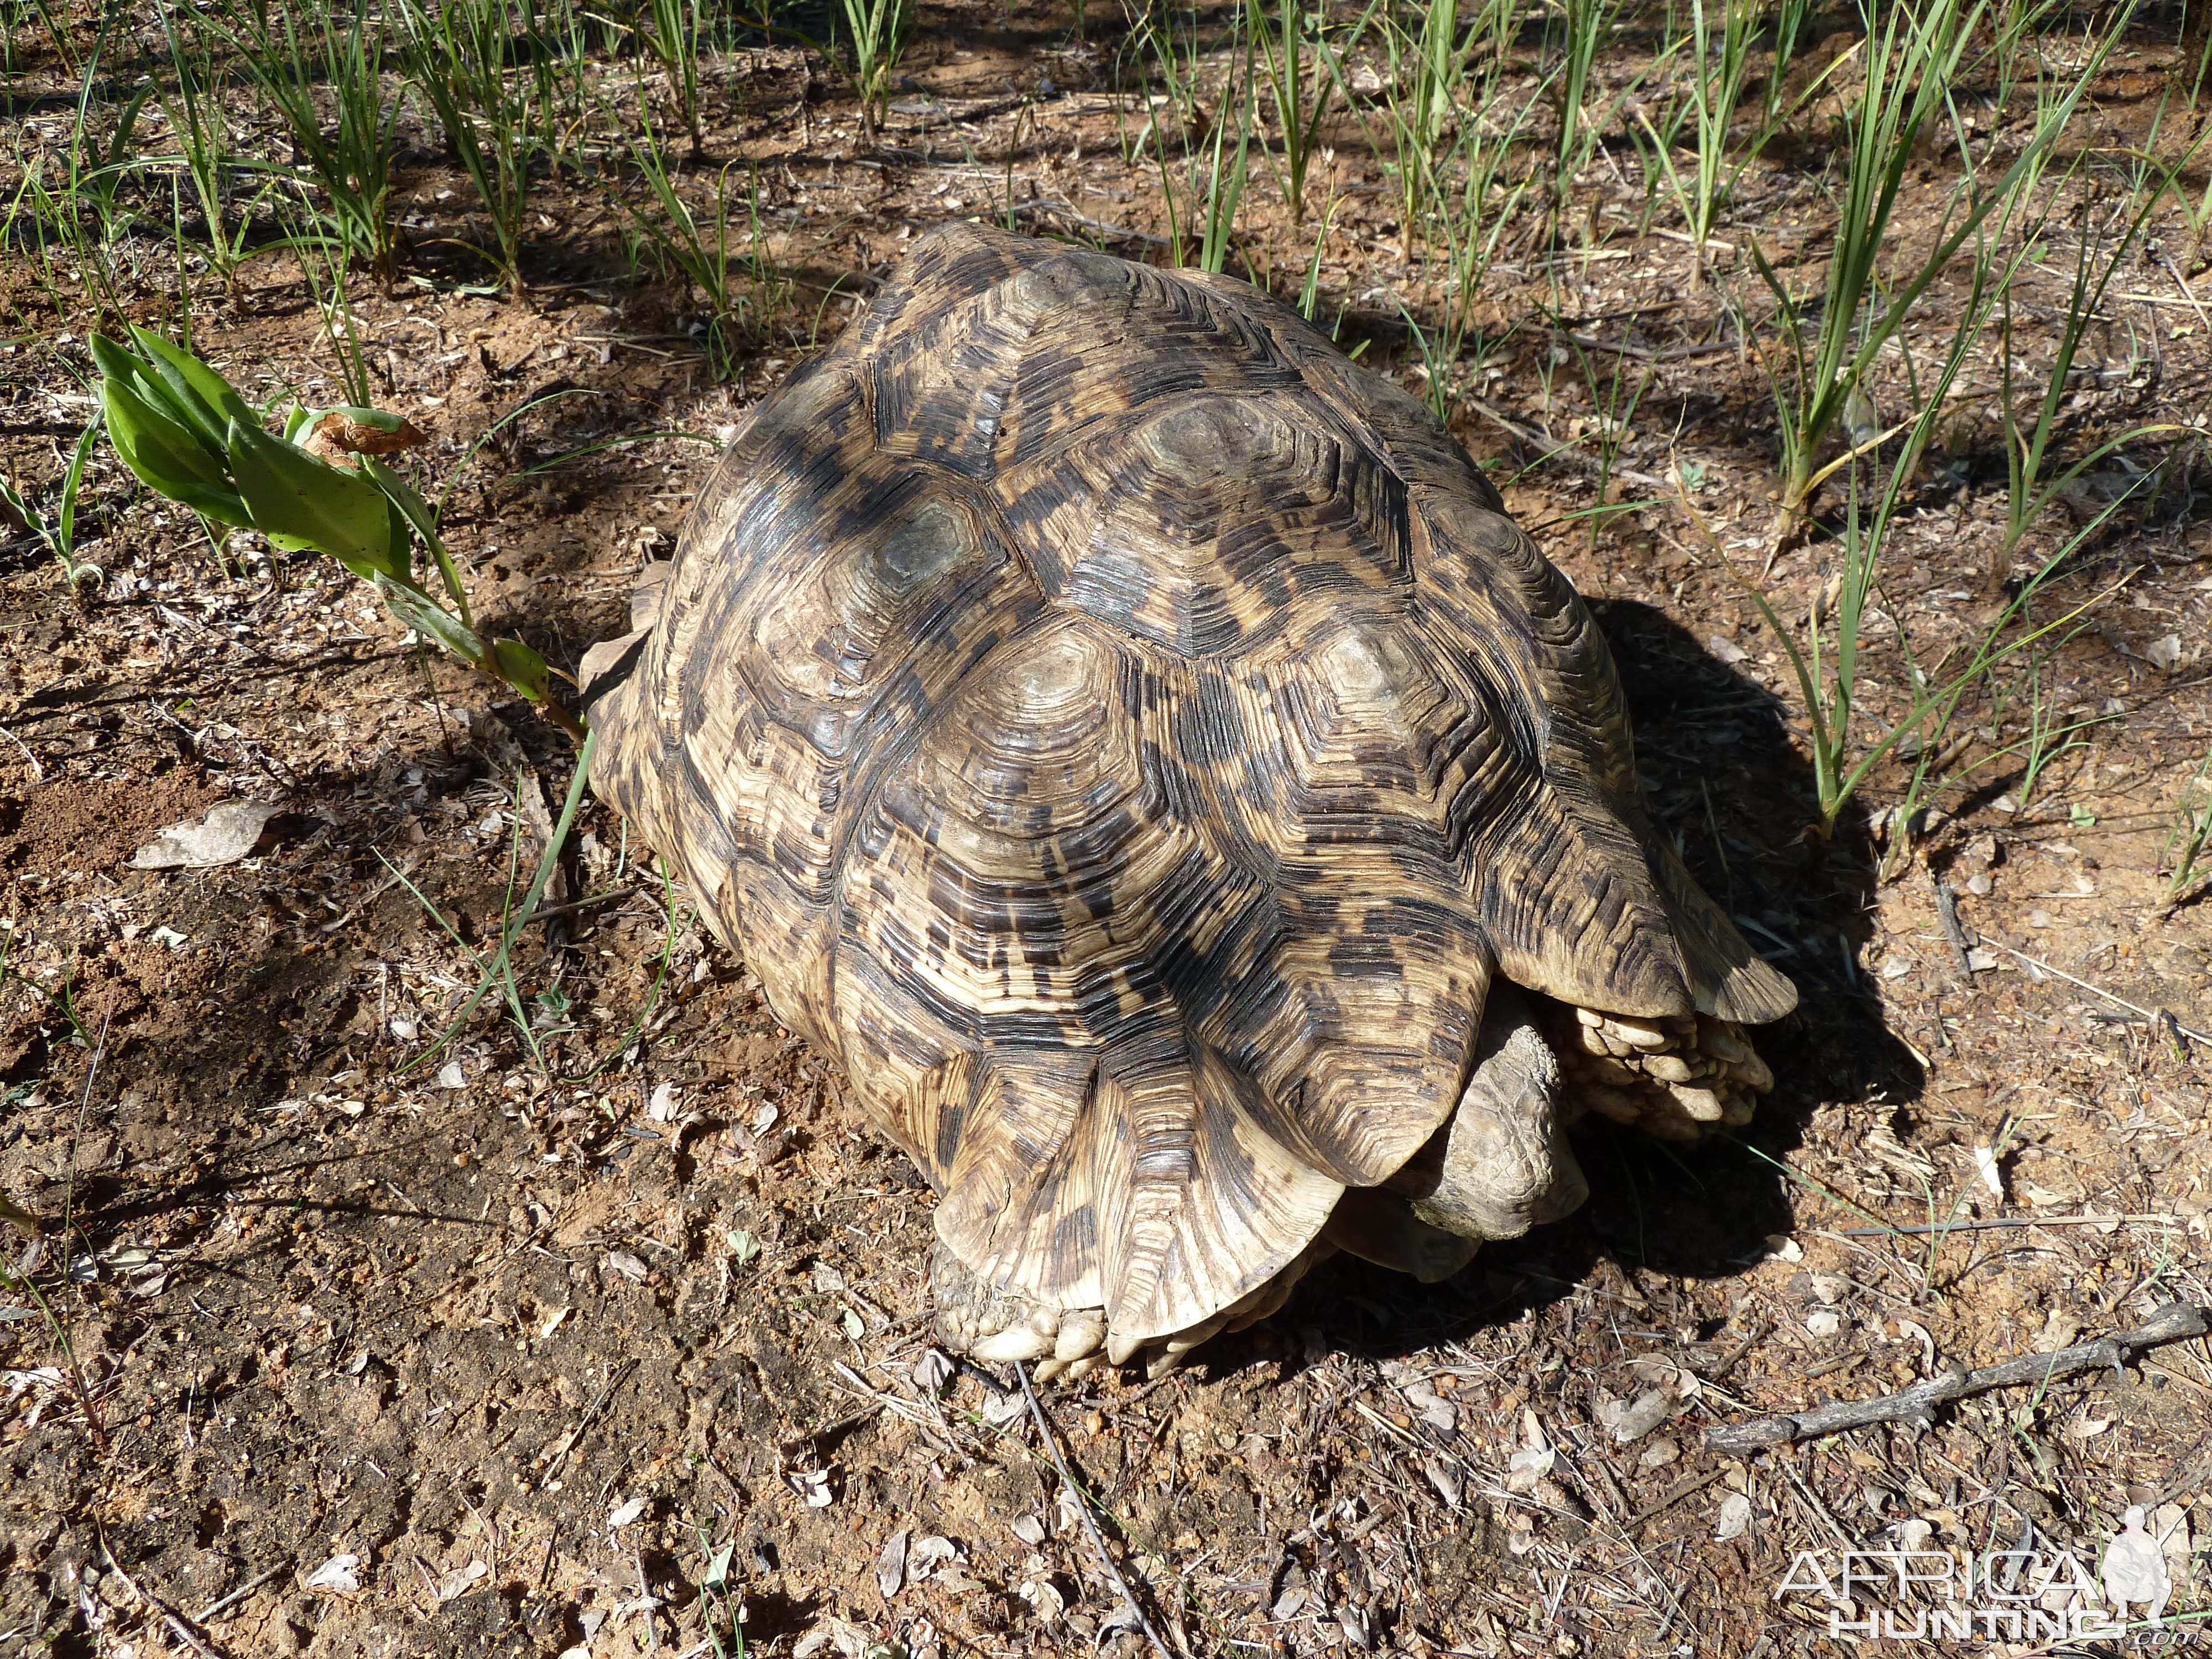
(184, 431)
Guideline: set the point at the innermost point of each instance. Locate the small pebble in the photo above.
(1649, 1409)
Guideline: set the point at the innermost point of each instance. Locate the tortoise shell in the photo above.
(1133, 740)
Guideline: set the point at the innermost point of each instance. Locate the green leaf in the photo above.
(112, 361)
(403, 550)
(65, 524)
(153, 445)
(382, 420)
(523, 669)
(409, 502)
(419, 611)
(192, 382)
(292, 494)
(166, 458)
(717, 1576)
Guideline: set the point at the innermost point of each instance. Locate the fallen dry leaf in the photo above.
(226, 835)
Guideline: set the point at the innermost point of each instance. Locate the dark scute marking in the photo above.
(951, 1120)
(1075, 1236)
(1227, 1163)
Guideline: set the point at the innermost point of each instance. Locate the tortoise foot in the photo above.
(1679, 1077)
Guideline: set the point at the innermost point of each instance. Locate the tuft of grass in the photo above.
(720, 1610)
(540, 1018)
(1914, 53)
(204, 155)
(468, 61)
(1298, 87)
(2098, 257)
(724, 256)
(1776, 105)
(1615, 398)
(2190, 835)
(334, 307)
(1712, 88)
(673, 32)
(1202, 204)
(335, 60)
(499, 972)
(2047, 736)
(1828, 664)
(877, 36)
(1585, 25)
(58, 533)
(1216, 211)
(1425, 92)
(68, 197)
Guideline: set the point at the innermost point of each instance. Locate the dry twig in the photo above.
(223, 1603)
(1090, 1524)
(2175, 1323)
(183, 1631)
(2155, 1016)
(1979, 1224)
(1947, 910)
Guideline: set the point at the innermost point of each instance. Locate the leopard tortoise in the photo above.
(1133, 739)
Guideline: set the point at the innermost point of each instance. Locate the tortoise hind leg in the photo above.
(975, 1317)
(1499, 1165)
(1678, 1077)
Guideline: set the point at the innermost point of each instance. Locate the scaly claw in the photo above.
(1675, 1077)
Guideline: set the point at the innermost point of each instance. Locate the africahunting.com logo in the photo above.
(2034, 1593)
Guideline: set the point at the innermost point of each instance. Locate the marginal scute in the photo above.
(1138, 1180)
(1131, 738)
(1579, 894)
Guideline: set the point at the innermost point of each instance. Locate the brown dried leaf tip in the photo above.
(337, 436)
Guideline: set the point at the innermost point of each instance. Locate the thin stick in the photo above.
(2155, 1016)
(225, 1603)
(1550, 449)
(546, 912)
(2013, 1221)
(1652, 354)
(2187, 293)
(1946, 909)
(38, 772)
(184, 1632)
(1083, 222)
(584, 1424)
(2177, 1321)
(1083, 1509)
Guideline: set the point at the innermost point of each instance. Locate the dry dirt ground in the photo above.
(342, 1347)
